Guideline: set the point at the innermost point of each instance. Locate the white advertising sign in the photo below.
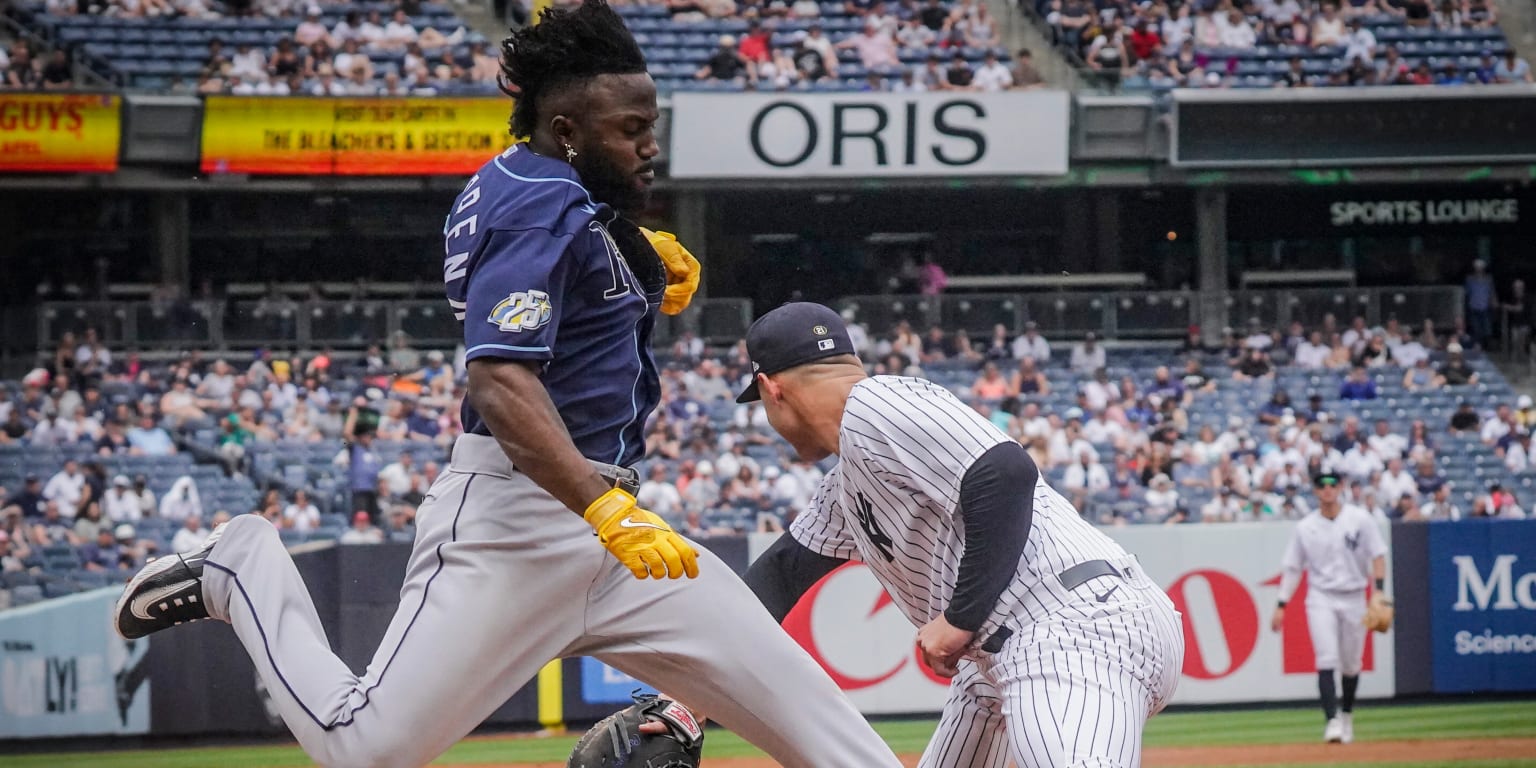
(1223, 578)
(781, 135)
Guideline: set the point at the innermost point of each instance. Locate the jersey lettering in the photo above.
(871, 526)
(621, 279)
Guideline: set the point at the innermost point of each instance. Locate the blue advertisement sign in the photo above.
(64, 672)
(602, 684)
(1483, 605)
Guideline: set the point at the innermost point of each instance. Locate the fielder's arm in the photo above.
(997, 502)
(1290, 577)
(780, 576)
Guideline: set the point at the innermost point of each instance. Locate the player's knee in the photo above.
(249, 525)
(376, 753)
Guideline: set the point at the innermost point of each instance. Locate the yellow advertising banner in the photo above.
(352, 136)
(78, 132)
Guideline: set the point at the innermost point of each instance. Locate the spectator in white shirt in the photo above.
(992, 75)
(350, 57)
(301, 515)
(349, 28)
(1385, 443)
(398, 32)
(1328, 29)
(1359, 43)
(1395, 482)
(1085, 477)
(1100, 391)
(1312, 353)
(66, 489)
(1032, 344)
(325, 83)
(1100, 430)
(1224, 508)
(181, 501)
(399, 476)
(1517, 456)
(1235, 31)
(660, 495)
(121, 504)
(1088, 356)
(248, 63)
(372, 30)
(310, 30)
(1162, 498)
(1496, 426)
(191, 536)
(1439, 506)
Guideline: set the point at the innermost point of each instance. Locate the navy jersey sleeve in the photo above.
(514, 294)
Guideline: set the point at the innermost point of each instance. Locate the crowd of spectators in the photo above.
(946, 39)
(23, 69)
(1134, 447)
(348, 58)
(1191, 44)
(115, 409)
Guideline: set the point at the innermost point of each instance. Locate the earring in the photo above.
(570, 154)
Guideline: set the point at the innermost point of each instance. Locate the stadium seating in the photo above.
(149, 53)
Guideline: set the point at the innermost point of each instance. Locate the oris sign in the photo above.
(754, 135)
(1222, 578)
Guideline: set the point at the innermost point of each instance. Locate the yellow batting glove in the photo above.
(682, 270)
(643, 542)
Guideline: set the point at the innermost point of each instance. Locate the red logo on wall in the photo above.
(1239, 624)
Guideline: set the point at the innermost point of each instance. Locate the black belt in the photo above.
(1071, 578)
(623, 478)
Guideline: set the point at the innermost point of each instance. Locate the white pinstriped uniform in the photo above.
(1336, 555)
(1075, 682)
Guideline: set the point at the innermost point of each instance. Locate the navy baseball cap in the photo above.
(791, 335)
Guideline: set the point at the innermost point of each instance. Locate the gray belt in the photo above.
(1082, 573)
(1071, 578)
(624, 478)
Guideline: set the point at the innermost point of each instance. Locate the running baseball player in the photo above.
(1341, 550)
(1057, 644)
(558, 295)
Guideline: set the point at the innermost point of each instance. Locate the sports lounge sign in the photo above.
(776, 135)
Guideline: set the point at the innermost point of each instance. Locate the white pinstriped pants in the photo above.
(1067, 694)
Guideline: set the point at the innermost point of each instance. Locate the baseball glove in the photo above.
(616, 741)
(1379, 614)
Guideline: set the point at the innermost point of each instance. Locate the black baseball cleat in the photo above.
(167, 592)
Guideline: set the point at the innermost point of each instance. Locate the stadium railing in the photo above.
(247, 324)
(1152, 314)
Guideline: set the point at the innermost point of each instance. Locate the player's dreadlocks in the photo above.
(567, 46)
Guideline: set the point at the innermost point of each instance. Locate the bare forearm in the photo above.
(515, 406)
(1379, 569)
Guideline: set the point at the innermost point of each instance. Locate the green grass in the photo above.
(1184, 729)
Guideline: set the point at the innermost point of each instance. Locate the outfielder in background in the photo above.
(1057, 644)
(558, 295)
(1341, 550)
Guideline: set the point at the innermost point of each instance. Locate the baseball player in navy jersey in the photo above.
(1341, 550)
(558, 294)
(1057, 644)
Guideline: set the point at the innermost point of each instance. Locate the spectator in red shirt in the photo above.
(1144, 40)
(755, 45)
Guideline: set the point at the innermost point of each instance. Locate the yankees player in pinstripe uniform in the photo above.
(558, 317)
(1058, 646)
(1339, 546)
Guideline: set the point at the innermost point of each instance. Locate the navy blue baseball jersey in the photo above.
(534, 272)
